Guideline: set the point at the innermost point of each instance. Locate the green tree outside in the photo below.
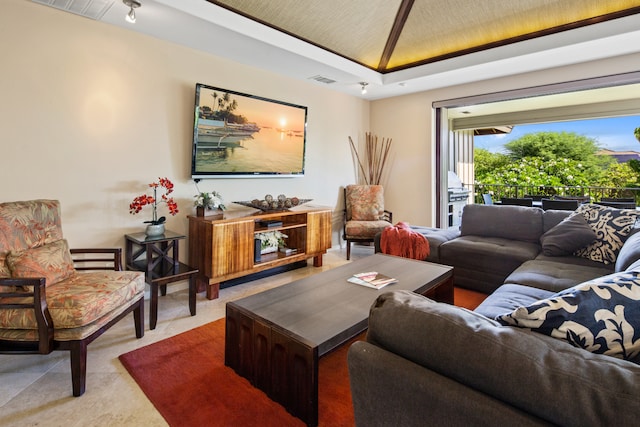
(552, 159)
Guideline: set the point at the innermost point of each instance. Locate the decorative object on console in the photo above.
(208, 201)
(269, 203)
(370, 170)
(156, 225)
(270, 241)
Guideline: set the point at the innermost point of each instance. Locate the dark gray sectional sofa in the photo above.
(429, 363)
(501, 244)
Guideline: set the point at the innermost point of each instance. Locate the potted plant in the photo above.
(156, 225)
(270, 241)
(208, 200)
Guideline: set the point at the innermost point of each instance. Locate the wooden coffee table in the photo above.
(275, 338)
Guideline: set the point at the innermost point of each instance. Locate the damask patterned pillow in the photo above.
(51, 261)
(612, 227)
(601, 315)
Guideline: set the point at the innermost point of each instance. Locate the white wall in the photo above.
(408, 120)
(90, 114)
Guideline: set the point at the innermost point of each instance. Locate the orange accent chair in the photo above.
(56, 298)
(364, 214)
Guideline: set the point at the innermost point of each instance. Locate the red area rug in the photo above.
(185, 378)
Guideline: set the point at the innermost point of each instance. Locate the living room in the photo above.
(92, 113)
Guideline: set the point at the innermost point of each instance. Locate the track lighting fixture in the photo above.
(133, 4)
(364, 87)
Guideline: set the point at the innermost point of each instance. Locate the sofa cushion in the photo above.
(507, 222)
(365, 202)
(612, 226)
(556, 274)
(508, 297)
(365, 229)
(530, 371)
(601, 315)
(629, 254)
(51, 261)
(553, 217)
(571, 234)
(495, 254)
(26, 225)
(80, 300)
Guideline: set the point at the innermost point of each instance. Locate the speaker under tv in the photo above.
(239, 135)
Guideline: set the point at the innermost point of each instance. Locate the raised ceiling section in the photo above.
(392, 35)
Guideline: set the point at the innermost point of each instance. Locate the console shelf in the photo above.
(222, 246)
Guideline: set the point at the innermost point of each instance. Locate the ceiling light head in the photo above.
(364, 85)
(133, 4)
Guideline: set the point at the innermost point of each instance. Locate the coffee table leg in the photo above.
(274, 361)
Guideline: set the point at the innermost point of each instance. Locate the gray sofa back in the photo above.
(540, 375)
(507, 222)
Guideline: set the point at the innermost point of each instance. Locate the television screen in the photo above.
(240, 135)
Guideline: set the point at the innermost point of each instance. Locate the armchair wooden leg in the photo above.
(78, 357)
(138, 318)
(348, 250)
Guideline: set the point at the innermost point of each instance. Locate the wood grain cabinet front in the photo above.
(222, 246)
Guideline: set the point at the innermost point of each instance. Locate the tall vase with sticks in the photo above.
(371, 165)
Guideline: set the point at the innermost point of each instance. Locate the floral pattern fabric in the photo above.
(51, 261)
(601, 315)
(27, 225)
(612, 227)
(364, 202)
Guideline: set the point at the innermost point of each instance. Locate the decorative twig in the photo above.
(376, 155)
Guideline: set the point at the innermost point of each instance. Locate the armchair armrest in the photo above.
(28, 294)
(388, 216)
(100, 259)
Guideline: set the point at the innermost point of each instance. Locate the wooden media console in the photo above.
(221, 246)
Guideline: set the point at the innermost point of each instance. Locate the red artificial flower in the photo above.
(143, 200)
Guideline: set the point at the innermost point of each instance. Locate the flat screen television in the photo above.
(241, 135)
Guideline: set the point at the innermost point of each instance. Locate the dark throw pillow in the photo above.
(568, 236)
(600, 315)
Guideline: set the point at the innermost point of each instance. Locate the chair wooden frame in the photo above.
(34, 290)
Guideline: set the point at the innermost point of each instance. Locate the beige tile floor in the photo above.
(35, 390)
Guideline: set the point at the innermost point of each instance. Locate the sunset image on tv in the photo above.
(237, 134)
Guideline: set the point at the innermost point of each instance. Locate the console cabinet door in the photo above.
(318, 231)
(232, 247)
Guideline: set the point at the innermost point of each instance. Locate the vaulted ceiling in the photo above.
(390, 35)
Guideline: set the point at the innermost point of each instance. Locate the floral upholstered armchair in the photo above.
(364, 214)
(50, 297)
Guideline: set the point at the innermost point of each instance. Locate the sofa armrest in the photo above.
(535, 373)
(97, 259)
(29, 294)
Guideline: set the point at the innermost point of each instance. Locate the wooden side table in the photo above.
(158, 258)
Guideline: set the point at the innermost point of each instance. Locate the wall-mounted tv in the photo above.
(240, 135)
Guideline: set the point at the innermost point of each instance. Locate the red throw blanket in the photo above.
(401, 240)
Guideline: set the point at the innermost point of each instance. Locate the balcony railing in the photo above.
(498, 191)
